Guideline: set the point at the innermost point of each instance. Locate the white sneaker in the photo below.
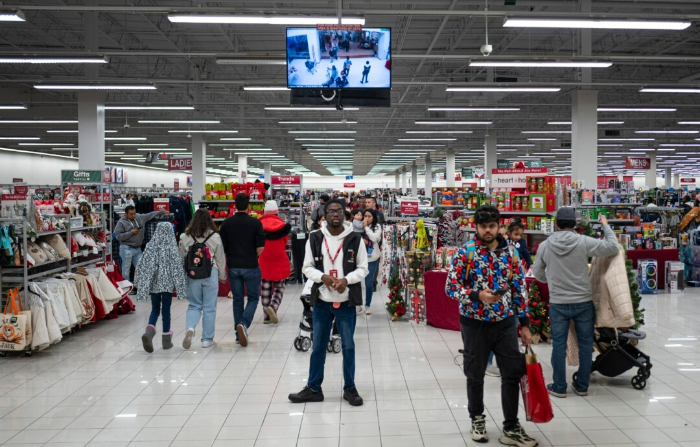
(187, 342)
(208, 343)
(493, 371)
(478, 430)
(242, 335)
(360, 309)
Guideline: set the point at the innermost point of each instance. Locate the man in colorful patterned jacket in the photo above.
(486, 278)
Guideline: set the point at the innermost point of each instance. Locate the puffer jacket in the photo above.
(274, 262)
(611, 292)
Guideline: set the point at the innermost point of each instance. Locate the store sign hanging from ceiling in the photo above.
(83, 176)
(286, 180)
(507, 164)
(638, 163)
(180, 164)
(514, 178)
(687, 180)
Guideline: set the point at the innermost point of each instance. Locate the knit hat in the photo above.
(271, 207)
(566, 213)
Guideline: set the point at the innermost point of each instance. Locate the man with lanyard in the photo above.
(129, 231)
(486, 278)
(336, 261)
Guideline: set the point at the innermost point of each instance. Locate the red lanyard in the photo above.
(337, 253)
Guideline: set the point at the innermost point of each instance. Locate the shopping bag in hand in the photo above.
(538, 407)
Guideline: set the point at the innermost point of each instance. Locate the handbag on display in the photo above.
(16, 326)
(538, 407)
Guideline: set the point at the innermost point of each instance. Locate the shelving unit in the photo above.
(211, 205)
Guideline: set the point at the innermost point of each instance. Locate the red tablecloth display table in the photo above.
(441, 311)
(670, 254)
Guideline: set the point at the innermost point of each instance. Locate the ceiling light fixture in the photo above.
(13, 107)
(636, 109)
(266, 89)
(627, 139)
(12, 16)
(39, 122)
(125, 138)
(667, 131)
(179, 122)
(460, 123)
(202, 131)
(42, 154)
(322, 131)
(324, 139)
(692, 123)
(439, 131)
(594, 23)
(427, 139)
(244, 19)
(541, 64)
(74, 131)
(683, 145)
(310, 109)
(512, 145)
(504, 89)
(249, 61)
(236, 139)
(568, 123)
(317, 122)
(149, 107)
(668, 90)
(47, 144)
(53, 60)
(19, 138)
(473, 109)
(545, 131)
(94, 87)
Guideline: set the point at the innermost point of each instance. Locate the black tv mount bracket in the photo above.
(336, 94)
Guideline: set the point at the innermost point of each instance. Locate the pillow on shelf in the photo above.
(51, 254)
(36, 253)
(58, 244)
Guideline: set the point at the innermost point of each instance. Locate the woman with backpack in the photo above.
(159, 273)
(274, 262)
(205, 261)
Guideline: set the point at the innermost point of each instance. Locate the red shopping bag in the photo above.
(538, 407)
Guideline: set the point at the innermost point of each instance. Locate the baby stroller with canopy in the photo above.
(303, 342)
(619, 355)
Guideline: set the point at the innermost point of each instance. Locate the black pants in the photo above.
(501, 338)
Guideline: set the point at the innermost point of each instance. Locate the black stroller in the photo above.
(618, 355)
(303, 342)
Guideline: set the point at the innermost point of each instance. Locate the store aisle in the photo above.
(99, 388)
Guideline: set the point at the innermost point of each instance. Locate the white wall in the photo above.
(39, 170)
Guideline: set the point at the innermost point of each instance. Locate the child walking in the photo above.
(160, 273)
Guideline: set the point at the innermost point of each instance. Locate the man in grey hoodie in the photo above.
(129, 231)
(562, 262)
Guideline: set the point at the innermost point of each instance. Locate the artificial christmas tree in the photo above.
(396, 305)
(539, 315)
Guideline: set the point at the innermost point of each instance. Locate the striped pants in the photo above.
(271, 293)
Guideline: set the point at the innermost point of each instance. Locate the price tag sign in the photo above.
(161, 204)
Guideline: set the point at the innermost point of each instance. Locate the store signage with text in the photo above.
(479, 173)
(604, 181)
(82, 176)
(17, 180)
(161, 204)
(684, 181)
(5, 197)
(508, 164)
(23, 190)
(348, 185)
(514, 178)
(469, 185)
(409, 207)
(286, 180)
(467, 173)
(638, 163)
(180, 164)
(176, 185)
(338, 27)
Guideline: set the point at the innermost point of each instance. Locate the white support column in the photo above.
(91, 130)
(584, 137)
(490, 155)
(267, 167)
(651, 173)
(669, 178)
(242, 168)
(414, 179)
(676, 181)
(428, 176)
(199, 166)
(450, 168)
(404, 181)
(397, 180)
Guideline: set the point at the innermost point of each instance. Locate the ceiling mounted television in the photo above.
(322, 59)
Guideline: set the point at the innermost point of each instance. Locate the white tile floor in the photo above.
(99, 388)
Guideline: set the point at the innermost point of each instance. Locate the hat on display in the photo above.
(566, 213)
(271, 207)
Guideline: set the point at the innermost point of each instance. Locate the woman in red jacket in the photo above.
(274, 263)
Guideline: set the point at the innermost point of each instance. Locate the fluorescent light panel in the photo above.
(322, 131)
(47, 144)
(667, 131)
(317, 122)
(266, 89)
(541, 64)
(460, 123)
(74, 131)
(636, 109)
(568, 123)
(179, 122)
(39, 122)
(504, 89)
(19, 138)
(311, 109)
(438, 131)
(149, 107)
(53, 60)
(668, 90)
(94, 87)
(515, 22)
(473, 109)
(12, 107)
(244, 19)
(202, 131)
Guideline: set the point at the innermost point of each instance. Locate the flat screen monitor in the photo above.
(320, 59)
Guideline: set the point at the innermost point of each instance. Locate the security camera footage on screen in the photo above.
(338, 59)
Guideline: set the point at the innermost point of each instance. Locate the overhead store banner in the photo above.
(479, 173)
(286, 180)
(409, 207)
(83, 176)
(511, 164)
(348, 185)
(338, 27)
(180, 164)
(514, 178)
(467, 173)
(638, 163)
(684, 181)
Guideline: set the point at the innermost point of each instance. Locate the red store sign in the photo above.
(684, 180)
(161, 204)
(638, 163)
(286, 180)
(348, 185)
(409, 207)
(180, 164)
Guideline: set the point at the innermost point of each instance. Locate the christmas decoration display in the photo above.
(636, 296)
(418, 305)
(396, 307)
(539, 315)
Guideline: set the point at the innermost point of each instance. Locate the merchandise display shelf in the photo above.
(87, 262)
(90, 227)
(539, 232)
(48, 233)
(228, 201)
(21, 279)
(527, 213)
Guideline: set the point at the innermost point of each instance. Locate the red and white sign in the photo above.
(458, 176)
(286, 180)
(409, 207)
(17, 180)
(161, 204)
(514, 178)
(338, 27)
(22, 190)
(348, 185)
(604, 180)
(469, 185)
(638, 163)
(479, 173)
(684, 181)
(5, 197)
(180, 164)
(176, 185)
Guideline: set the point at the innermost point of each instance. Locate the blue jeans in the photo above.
(369, 282)
(202, 295)
(129, 255)
(345, 319)
(251, 278)
(583, 316)
(160, 302)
